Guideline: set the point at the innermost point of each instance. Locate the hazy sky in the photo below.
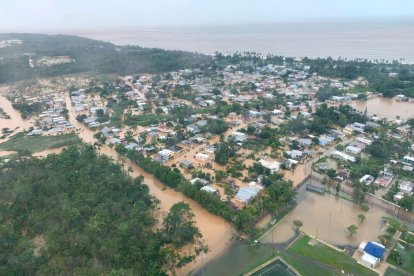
(46, 15)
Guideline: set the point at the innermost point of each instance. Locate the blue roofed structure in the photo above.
(374, 249)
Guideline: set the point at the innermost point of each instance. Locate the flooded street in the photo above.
(386, 108)
(216, 232)
(16, 121)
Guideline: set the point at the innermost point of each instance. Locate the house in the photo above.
(295, 154)
(201, 181)
(338, 99)
(201, 156)
(131, 146)
(366, 179)
(35, 132)
(342, 175)
(193, 128)
(278, 112)
(239, 136)
(245, 195)
(406, 187)
(408, 160)
(364, 140)
(186, 164)
(407, 168)
(165, 154)
(273, 166)
(343, 156)
(305, 142)
(210, 190)
(325, 140)
(372, 254)
(359, 127)
(115, 141)
(384, 179)
(353, 150)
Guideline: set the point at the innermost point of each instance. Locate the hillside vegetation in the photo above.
(88, 55)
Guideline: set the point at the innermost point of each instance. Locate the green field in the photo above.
(320, 259)
(408, 260)
(23, 143)
(393, 272)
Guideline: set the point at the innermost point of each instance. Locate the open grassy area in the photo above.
(408, 260)
(21, 142)
(313, 259)
(393, 272)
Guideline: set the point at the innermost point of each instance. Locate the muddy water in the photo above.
(215, 230)
(386, 108)
(15, 120)
(327, 217)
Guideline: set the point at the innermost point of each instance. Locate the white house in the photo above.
(166, 154)
(273, 166)
(295, 154)
(239, 136)
(366, 179)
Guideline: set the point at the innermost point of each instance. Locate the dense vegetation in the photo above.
(79, 213)
(89, 56)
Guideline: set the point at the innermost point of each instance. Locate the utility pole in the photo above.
(330, 215)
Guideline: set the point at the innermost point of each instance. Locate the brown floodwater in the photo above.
(216, 232)
(327, 218)
(16, 121)
(386, 108)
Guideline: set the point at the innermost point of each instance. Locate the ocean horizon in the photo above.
(371, 39)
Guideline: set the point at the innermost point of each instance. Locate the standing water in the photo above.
(386, 108)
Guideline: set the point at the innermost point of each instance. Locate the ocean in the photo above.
(375, 39)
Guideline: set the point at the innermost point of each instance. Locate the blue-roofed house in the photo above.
(372, 254)
(375, 249)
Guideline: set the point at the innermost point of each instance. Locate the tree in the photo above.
(297, 223)
(315, 141)
(338, 188)
(407, 202)
(179, 226)
(352, 230)
(358, 193)
(223, 152)
(331, 173)
(361, 218)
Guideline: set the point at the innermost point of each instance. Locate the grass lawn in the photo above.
(322, 257)
(392, 272)
(304, 268)
(21, 142)
(408, 263)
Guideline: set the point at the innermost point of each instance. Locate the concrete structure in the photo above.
(273, 166)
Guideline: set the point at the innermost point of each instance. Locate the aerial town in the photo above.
(299, 159)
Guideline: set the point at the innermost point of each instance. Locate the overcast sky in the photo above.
(47, 15)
